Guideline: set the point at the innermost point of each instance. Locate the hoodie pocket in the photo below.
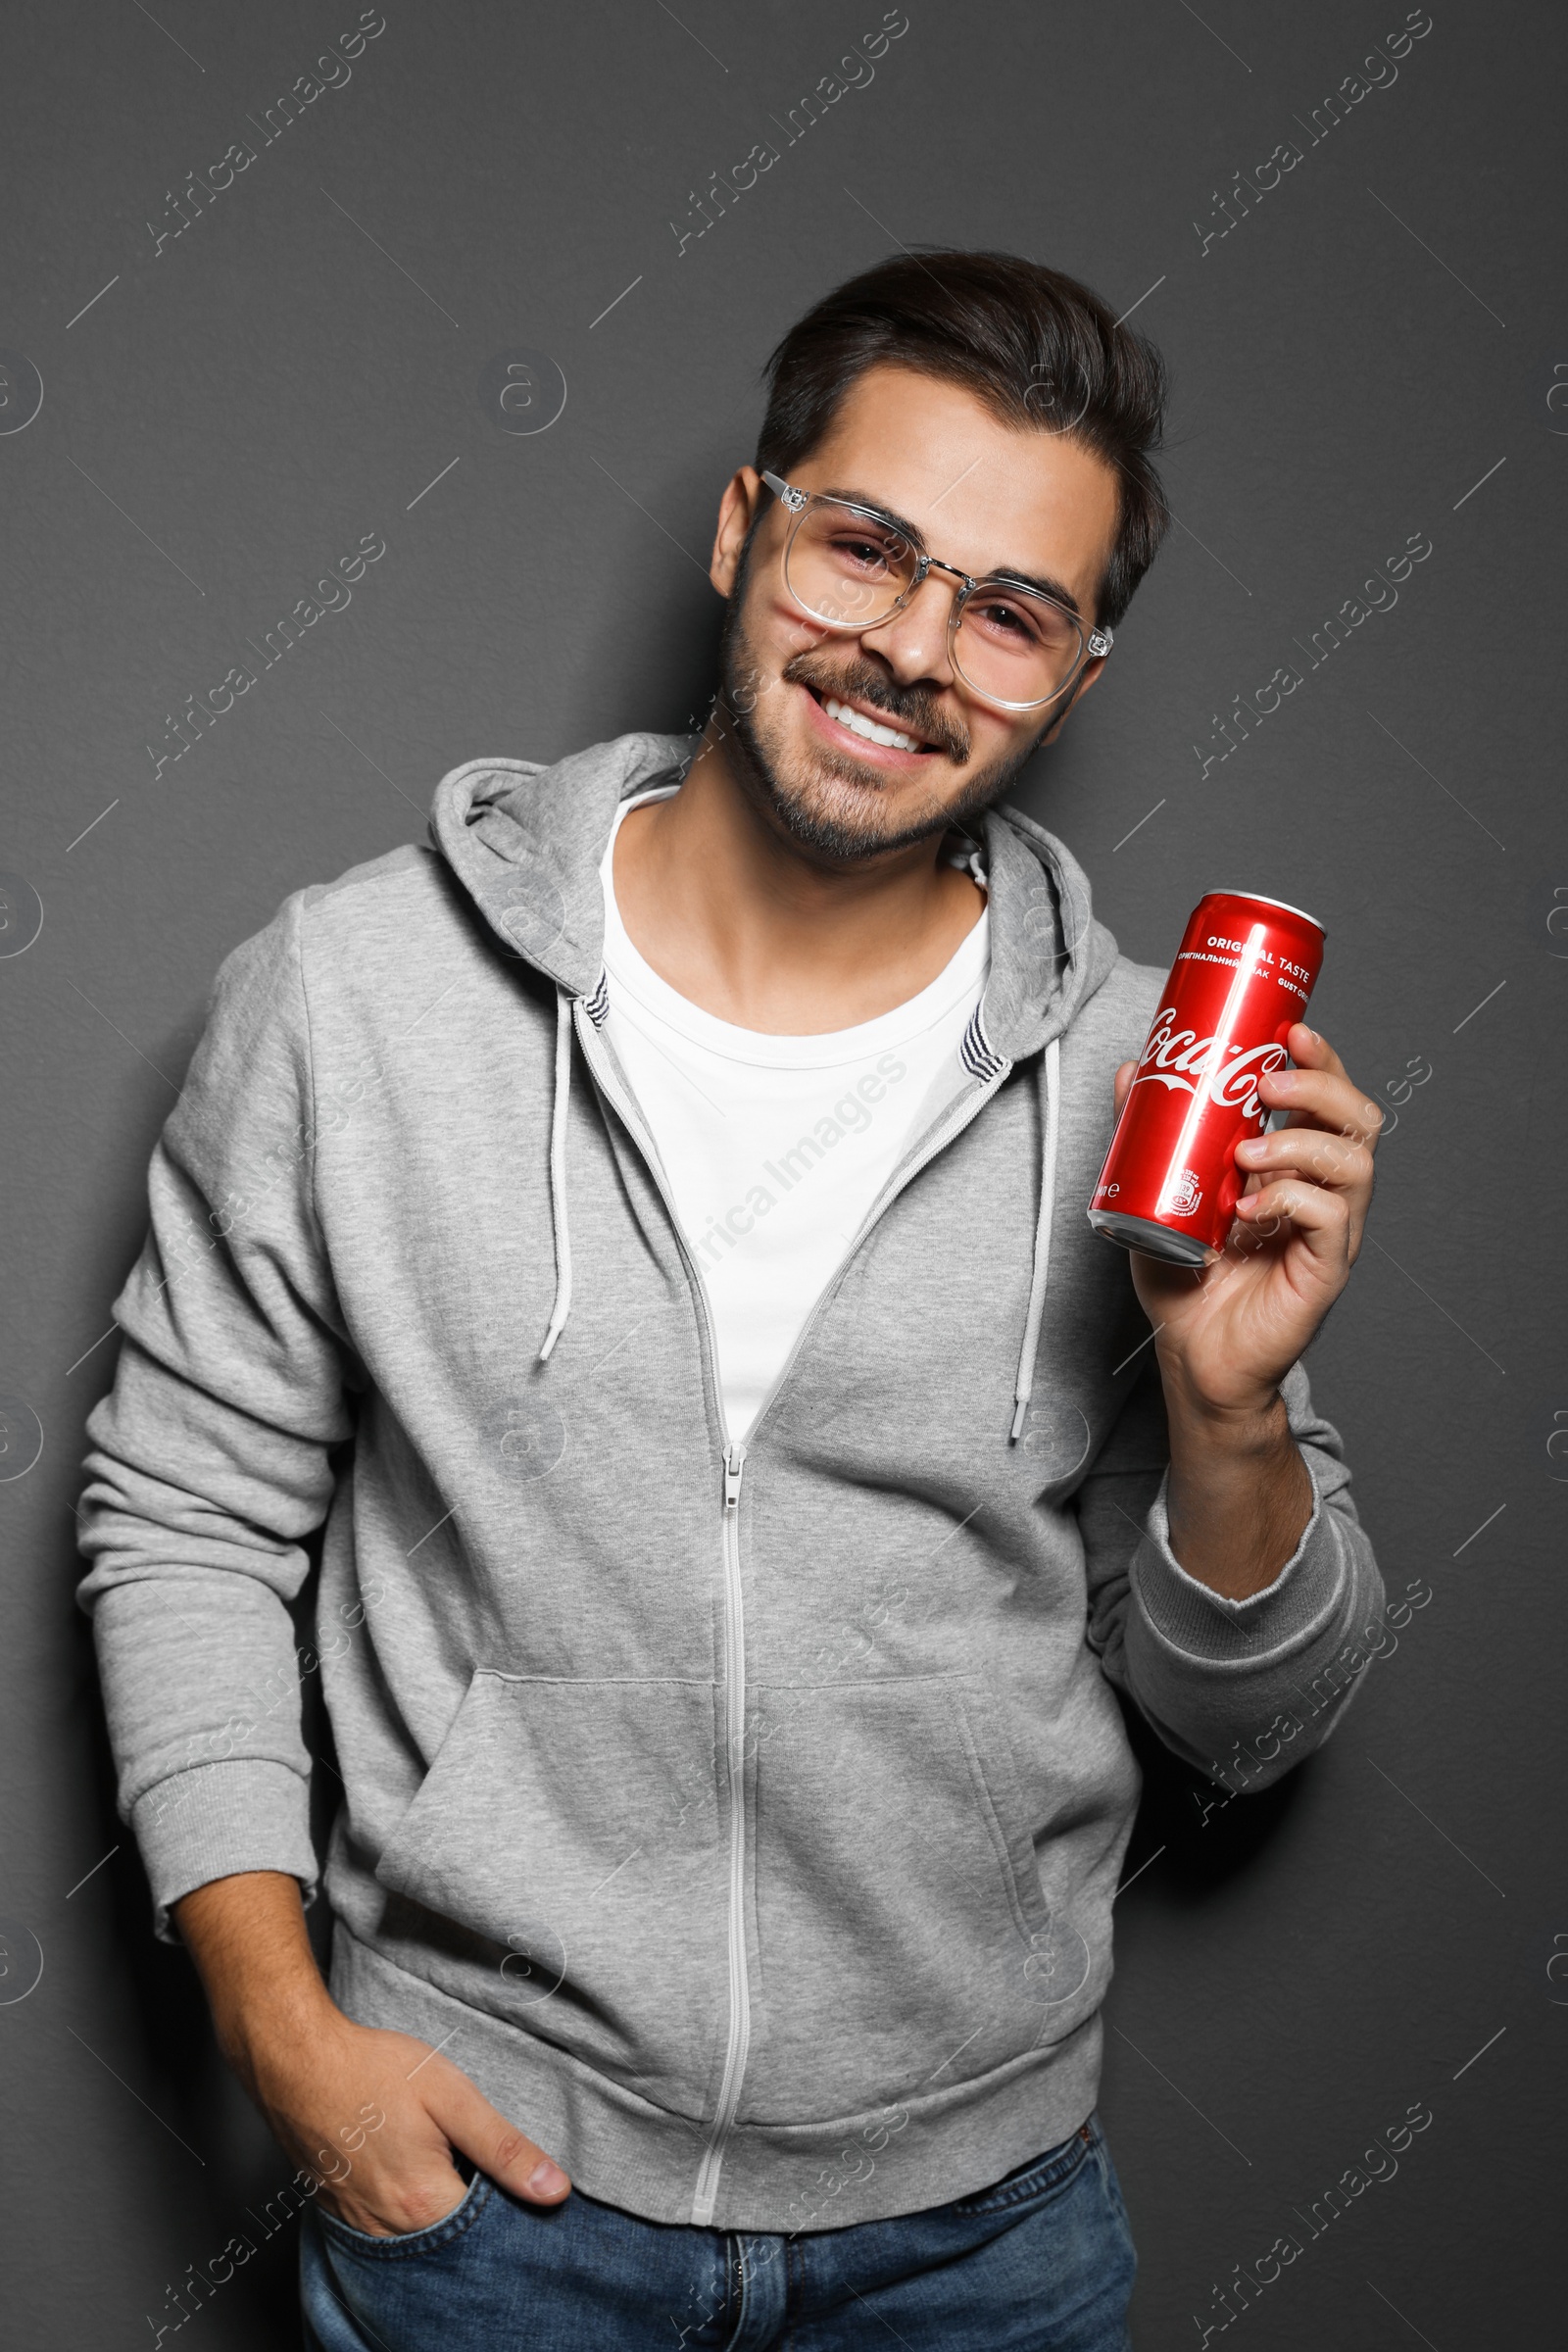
(569, 1830)
(905, 1941)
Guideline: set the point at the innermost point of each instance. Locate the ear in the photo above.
(1081, 685)
(738, 509)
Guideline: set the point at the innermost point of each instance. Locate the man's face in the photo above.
(985, 497)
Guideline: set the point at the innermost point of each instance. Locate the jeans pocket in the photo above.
(402, 2242)
(1046, 2175)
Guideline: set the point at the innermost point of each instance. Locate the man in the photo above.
(648, 1226)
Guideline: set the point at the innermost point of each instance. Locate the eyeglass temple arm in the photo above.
(785, 492)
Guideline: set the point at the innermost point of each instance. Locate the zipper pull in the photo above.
(734, 1458)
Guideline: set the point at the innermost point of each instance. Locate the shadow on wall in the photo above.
(1208, 1839)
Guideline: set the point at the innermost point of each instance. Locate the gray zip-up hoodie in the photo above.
(745, 1823)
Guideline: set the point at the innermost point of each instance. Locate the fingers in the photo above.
(1310, 1151)
(1310, 1050)
(500, 2150)
(1318, 1162)
(1319, 1215)
(1123, 1084)
(1318, 1091)
(1313, 1099)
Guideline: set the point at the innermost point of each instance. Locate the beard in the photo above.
(828, 802)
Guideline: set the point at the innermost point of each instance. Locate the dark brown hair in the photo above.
(1037, 347)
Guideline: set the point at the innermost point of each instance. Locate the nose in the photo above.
(913, 641)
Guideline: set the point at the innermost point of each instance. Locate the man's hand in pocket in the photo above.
(375, 2116)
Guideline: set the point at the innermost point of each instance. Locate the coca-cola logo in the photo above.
(1187, 1063)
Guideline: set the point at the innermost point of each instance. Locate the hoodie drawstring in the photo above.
(558, 1174)
(1042, 1260)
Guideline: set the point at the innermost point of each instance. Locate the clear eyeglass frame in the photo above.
(1093, 643)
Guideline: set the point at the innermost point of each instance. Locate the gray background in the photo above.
(1378, 334)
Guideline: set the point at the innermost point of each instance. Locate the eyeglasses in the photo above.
(851, 568)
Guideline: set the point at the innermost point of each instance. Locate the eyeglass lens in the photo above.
(850, 569)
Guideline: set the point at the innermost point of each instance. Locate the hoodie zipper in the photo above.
(965, 1108)
(740, 1993)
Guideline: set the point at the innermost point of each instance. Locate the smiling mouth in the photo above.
(871, 730)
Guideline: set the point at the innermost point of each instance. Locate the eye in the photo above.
(1006, 619)
(1022, 623)
(869, 555)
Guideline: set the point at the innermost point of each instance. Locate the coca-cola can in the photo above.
(1244, 972)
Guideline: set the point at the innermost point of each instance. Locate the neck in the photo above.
(761, 932)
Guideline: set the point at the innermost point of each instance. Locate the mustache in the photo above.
(913, 707)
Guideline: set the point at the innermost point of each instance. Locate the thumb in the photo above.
(1123, 1084)
(505, 2154)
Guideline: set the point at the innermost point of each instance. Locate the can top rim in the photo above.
(1258, 899)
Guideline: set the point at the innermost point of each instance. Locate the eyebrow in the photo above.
(1041, 583)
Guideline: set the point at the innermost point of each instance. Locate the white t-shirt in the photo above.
(774, 1147)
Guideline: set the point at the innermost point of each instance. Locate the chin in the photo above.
(845, 810)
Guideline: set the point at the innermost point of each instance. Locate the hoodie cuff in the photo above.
(1191, 1621)
(215, 1820)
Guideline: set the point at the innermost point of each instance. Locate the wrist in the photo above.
(259, 2016)
(247, 1936)
(1238, 1493)
(1251, 1422)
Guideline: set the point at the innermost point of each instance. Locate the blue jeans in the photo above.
(1041, 2262)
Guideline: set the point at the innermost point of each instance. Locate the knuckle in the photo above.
(512, 2148)
(416, 2206)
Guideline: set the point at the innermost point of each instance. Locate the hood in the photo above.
(526, 840)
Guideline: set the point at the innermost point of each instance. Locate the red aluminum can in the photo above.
(1244, 972)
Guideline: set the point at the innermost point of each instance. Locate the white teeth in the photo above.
(858, 724)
